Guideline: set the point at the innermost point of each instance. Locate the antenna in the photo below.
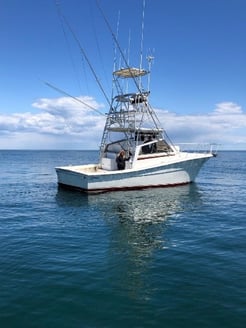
(142, 37)
(150, 59)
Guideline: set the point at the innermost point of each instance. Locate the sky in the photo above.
(198, 75)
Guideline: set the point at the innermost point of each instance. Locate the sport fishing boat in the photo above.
(133, 132)
(135, 151)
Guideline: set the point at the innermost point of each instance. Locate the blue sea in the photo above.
(172, 257)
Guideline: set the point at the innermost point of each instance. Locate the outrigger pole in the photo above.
(74, 98)
(85, 56)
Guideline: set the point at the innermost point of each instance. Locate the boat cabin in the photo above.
(144, 146)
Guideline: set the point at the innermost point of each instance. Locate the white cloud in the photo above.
(65, 123)
(228, 108)
(67, 106)
(224, 125)
(62, 123)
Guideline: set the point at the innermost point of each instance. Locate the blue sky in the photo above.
(198, 76)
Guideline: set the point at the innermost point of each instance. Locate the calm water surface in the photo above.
(153, 258)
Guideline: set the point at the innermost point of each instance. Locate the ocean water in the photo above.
(171, 257)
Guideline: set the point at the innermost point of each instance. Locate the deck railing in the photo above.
(209, 148)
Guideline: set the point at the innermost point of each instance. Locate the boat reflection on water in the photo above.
(149, 206)
(136, 225)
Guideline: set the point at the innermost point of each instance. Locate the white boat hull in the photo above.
(166, 172)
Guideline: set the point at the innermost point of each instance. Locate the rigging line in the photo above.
(87, 60)
(155, 119)
(141, 45)
(59, 13)
(117, 34)
(115, 52)
(118, 46)
(74, 98)
(129, 46)
(128, 55)
(98, 47)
